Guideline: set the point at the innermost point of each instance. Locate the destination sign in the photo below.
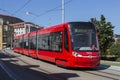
(83, 30)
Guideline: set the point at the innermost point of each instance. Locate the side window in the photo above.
(56, 41)
(25, 42)
(21, 42)
(66, 40)
(52, 42)
(43, 42)
(32, 42)
(15, 43)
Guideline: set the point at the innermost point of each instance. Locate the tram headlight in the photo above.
(76, 54)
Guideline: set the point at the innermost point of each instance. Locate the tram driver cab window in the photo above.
(66, 40)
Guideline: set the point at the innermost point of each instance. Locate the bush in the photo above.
(113, 53)
(118, 59)
(115, 49)
(109, 58)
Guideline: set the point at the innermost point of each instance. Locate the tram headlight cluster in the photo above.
(76, 54)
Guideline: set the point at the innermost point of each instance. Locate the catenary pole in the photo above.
(63, 12)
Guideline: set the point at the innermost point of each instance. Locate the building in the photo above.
(116, 37)
(5, 30)
(24, 27)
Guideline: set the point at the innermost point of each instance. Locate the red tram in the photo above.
(72, 44)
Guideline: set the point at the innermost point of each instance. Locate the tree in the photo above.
(115, 49)
(105, 33)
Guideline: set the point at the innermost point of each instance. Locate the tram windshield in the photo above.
(83, 36)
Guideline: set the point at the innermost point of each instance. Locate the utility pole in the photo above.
(63, 12)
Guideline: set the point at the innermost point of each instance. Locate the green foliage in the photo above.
(118, 41)
(105, 33)
(118, 59)
(115, 49)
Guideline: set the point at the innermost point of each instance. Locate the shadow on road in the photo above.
(28, 71)
(3, 55)
(101, 67)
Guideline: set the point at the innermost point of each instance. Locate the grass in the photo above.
(111, 63)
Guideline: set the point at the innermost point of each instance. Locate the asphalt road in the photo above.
(20, 67)
(4, 75)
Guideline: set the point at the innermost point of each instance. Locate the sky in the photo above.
(49, 12)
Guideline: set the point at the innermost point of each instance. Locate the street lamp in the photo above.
(30, 13)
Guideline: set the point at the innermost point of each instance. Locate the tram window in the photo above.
(25, 42)
(43, 42)
(32, 42)
(66, 40)
(51, 42)
(21, 43)
(16, 43)
(56, 41)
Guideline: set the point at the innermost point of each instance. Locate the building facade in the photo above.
(5, 30)
(116, 37)
(24, 27)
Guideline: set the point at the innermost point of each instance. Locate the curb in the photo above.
(116, 68)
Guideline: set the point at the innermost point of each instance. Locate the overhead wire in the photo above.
(37, 15)
(53, 9)
(5, 11)
(24, 5)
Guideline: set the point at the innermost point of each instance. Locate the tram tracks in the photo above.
(105, 75)
(95, 72)
(109, 73)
